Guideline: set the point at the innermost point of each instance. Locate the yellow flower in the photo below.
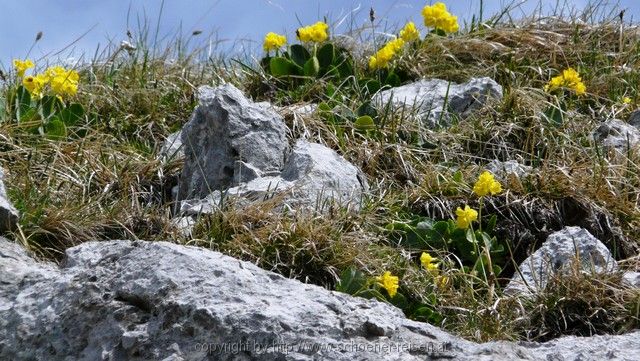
(389, 283)
(465, 217)
(273, 41)
(35, 84)
(569, 79)
(626, 100)
(409, 33)
(384, 56)
(429, 262)
(442, 281)
(22, 66)
(487, 184)
(315, 33)
(437, 17)
(63, 82)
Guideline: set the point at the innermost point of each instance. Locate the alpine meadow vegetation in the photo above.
(439, 236)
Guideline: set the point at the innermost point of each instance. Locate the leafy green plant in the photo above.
(356, 283)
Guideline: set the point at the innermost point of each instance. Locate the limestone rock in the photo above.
(313, 177)
(426, 98)
(123, 300)
(557, 253)
(634, 118)
(225, 128)
(615, 133)
(8, 213)
(172, 147)
(503, 169)
(631, 279)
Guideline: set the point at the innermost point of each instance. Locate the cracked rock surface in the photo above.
(125, 300)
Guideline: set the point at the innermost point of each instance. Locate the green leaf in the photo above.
(370, 86)
(265, 63)
(72, 114)
(392, 79)
(367, 109)
(280, 66)
(400, 301)
(364, 123)
(326, 55)
(344, 63)
(351, 281)
(3, 110)
(23, 101)
(299, 54)
(457, 177)
(55, 129)
(332, 72)
(50, 104)
(491, 225)
(312, 67)
(554, 116)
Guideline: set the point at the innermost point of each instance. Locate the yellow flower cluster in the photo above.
(389, 283)
(315, 33)
(63, 82)
(437, 17)
(487, 184)
(22, 66)
(569, 79)
(465, 217)
(409, 33)
(386, 54)
(273, 41)
(429, 262)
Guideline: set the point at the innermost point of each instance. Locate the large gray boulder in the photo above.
(124, 300)
(8, 213)
(229, 139)
(433, 100)
(556, 255)
(314, 178)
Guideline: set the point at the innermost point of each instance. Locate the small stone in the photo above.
(502, 170)
(557, 254)
(433, 100)
(617, 134)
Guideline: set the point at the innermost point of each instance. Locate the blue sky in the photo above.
(81, 26)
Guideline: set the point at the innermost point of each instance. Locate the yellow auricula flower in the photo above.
(487, 184)
(465, 217)
(22, 66)
(442, 281)
(409, 33)
(569, 79)
(429, 262)
(384, 56)
(63, 82)
(273, 41)
(35, 84)
(437, 17)
(313, 33)
(389, 283)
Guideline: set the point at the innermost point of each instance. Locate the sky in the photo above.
(79, 28)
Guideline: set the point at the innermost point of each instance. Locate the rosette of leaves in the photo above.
(50, 116)
(356, 283)
(421, 234)
(326, 61)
